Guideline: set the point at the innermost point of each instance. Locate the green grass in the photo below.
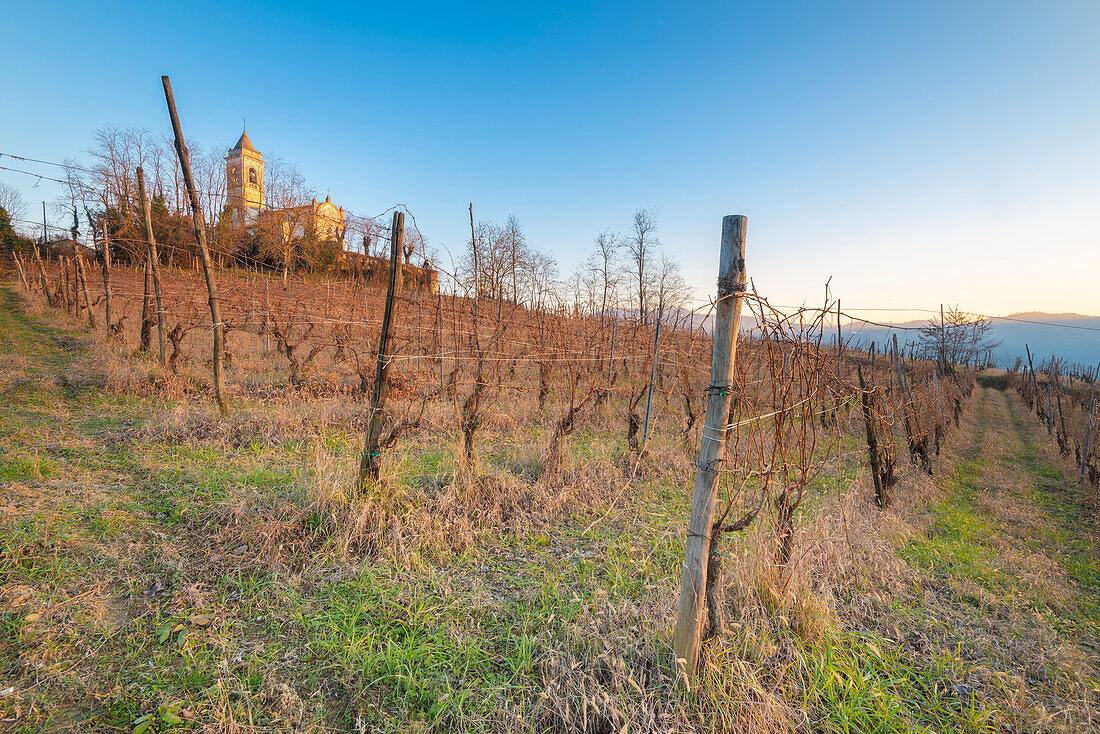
(447, 641)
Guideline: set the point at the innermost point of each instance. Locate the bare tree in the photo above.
(286, 193)
(11, 201)
(959, 338)
(600, 274)
(516, 253)
(670, 291)
(641, 244)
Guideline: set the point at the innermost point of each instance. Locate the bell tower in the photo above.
(244, 176)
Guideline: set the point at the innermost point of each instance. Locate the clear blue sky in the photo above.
(919, 153)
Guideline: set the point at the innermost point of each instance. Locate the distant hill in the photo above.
(1071, 336)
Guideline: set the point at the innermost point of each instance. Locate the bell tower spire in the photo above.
(244, 176)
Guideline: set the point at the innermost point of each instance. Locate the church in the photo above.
(244, 176)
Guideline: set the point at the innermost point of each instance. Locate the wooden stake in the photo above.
(152, 258)
(200, 236)
(371, 461)
(731, 284)
(42, 277)
(83, 284)
(1088, 425)
(22, 275)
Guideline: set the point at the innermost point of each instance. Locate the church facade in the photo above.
(244, 176)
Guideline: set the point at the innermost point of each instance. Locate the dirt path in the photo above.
(1014, 561)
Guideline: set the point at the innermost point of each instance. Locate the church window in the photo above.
(252, 177)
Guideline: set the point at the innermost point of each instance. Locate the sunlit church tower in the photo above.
(244, 175)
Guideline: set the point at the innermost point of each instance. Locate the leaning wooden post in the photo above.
(731, 284)
(22, 275)
(881, 498)
(42, 277)
(200, 236)
(371, 461)
(1034, 382)
(152, 257)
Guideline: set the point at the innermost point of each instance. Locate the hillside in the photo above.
(162, 572)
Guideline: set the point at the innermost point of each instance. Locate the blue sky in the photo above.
(918, 153)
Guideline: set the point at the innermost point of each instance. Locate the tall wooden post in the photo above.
(731, 284)
(371, 461)
(153, 258)
(200, 236)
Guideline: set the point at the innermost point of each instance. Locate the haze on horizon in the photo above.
(917, 153)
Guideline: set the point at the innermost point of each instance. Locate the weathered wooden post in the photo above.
(200, 236)
(1088, 424)
(152, 258)
(1050, 410)
(371, 461)
(731, 284)
(79, 261)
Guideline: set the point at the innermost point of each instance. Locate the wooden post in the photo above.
(152, 258)
(1088, 423)
(267, 310)
(22, 275)
(1050, 410)
(79, 259)
(1063, 445)
(652, 377)
(881, 498)
(839, 343)
(1034, 382)
(439, 294)
(146, 305)
(200, 236)
(64, 282)
(731, 284)
(106, 276)
(371, 461)
(936, 386)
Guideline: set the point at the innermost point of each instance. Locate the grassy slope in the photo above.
(139, 592)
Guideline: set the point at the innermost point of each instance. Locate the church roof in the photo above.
(243, 144)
